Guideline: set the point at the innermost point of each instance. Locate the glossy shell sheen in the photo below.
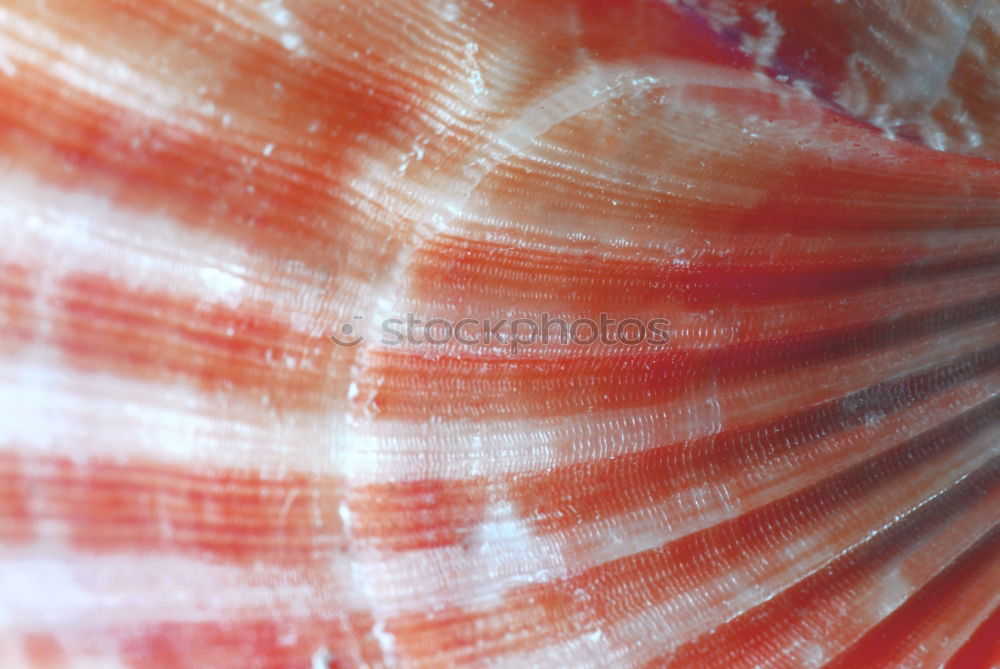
(803, 471)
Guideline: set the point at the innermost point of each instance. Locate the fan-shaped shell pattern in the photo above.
(803, 471)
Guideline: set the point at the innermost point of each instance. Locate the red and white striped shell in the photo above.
(195, 195)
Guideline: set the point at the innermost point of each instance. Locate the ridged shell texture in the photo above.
(195, 195)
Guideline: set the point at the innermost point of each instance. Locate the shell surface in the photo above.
(803, 472)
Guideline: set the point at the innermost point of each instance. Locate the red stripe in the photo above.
(912, 624)
(230, 516)
(423, 514)
(218, 181)
(815, 41)
(472, 271)
(982, 650)
(753, 637)
(17, 522)
(417, 515)
(101, 325)
(561, 499)
(835, 177)
(258, 644)
(413, 384)
(17, 291)
(639, 29)
(550, 612)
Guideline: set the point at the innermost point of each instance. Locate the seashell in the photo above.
(215, 452)
(921, 70)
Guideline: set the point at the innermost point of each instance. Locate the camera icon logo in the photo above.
(346, 336)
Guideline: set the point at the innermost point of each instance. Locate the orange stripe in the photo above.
(44, 651)
(218, 181)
